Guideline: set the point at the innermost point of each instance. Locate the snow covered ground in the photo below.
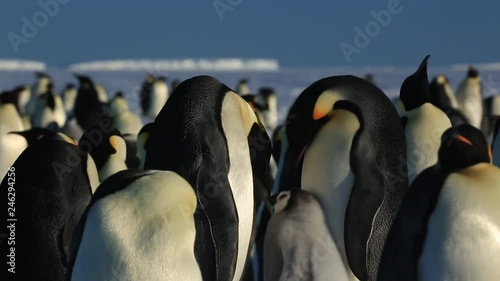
(288, 82)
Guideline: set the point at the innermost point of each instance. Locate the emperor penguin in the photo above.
(442, 97)
(11, 145)
(270, 112)
(491, 113)
(124, 120)
(68, 98)
(298, 244)
(52, 184)
(470, 97)
(242, 87)
(139, 226)
(18, 97)
(154, 95)
(50, 109)
(448, 225)
(204, 133)
(107, 148)
(495, 144)
(88, 110)
(424, 123)
(41, 86)
(343, 142)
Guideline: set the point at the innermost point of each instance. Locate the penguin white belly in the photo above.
(11, 146)
(59, 114)
(326, 173)
(240, 177)
(135, 234)
(463, 236)
(471, 103)
(69, 101)
(426, 124)
(114, 164)
(271, 115)
(159, 96)
(127, 123)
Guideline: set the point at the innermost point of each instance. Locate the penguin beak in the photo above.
(464, 140)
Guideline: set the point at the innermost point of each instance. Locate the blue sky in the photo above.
(297, 33)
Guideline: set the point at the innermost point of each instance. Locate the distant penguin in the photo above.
(470, 97)
(495, 144)
(344, 143)
(138, 226)
(298, 244)
(41, 86)
(270, 112)
(124, 120)
(203, 133)
(107, 148)
(424, 123)
(11, 145)
(88, 109)
(154, 94)
(175, 83)
(256, 104)
(52, 184)
(50, 109)
(370, 78)
(442, 97)
(242, 87)
(142, 140)
(447, 228)
(68, 98)
(491, 112)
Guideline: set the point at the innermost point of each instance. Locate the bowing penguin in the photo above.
(344, 143)
(138, 226)
(202, 133)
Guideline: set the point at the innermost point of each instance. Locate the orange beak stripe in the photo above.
(318, 114)
(464, 140)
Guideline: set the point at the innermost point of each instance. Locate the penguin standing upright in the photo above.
(49, 111)
(470, 97)
(69, 97)
(154, 94)
(424, 123)
(139, 226)
(202, 133)
(124, 120)
(41, 86)
(88, 110)
(447, 228)
(442, 97)
(270, 112)
(52, 184)
(344, 143)
(242, 87)
(298, 243)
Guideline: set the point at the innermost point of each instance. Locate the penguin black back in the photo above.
(193, 113)
(46, 210)
(88, 110)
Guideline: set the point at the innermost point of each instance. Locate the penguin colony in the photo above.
(352, 186)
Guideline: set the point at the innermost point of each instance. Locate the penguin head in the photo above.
(299, 202)
(462, 147)
(369, 77)
(102, 143)
(142, 142)
(472, 72)
(415, 89)
(85, 81)
(70, 86)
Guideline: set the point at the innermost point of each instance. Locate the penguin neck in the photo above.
(113, 165)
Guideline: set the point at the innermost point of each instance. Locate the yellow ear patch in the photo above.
(68, 139)
(115, 142)
(324, 104)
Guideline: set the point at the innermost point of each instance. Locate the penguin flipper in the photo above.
(404, 244)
